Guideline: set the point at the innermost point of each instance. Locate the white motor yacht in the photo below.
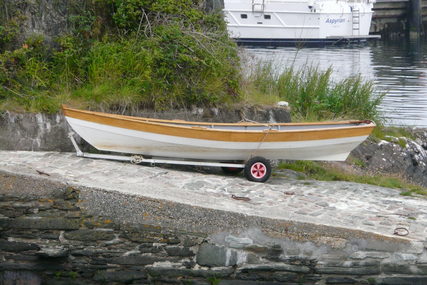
(290, 21)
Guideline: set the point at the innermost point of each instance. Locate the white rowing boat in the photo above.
(218, 141)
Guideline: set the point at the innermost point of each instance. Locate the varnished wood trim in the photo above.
(168, 127)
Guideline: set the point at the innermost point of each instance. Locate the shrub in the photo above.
(160, 54)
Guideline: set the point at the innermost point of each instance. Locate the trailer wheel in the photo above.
(231, 170)
(258, 169)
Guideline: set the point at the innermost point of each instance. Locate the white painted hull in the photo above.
(298, 19)
(116, 139)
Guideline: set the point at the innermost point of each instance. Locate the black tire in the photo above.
(231, 170)
(258, 169)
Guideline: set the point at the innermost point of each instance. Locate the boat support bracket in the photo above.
(138, 159)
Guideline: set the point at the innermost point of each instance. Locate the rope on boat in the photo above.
(266, 132)
(244, 120)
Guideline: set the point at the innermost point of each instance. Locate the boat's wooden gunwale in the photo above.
(243, 124)
(170, 127)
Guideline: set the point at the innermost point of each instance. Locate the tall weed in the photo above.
(314, 96)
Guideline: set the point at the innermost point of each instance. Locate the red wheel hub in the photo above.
(258, 170)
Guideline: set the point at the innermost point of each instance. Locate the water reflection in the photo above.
(399, 68)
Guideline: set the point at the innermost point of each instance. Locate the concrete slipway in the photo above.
(329, 208)
(286, 229)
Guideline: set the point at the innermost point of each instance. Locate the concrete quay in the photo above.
(341, 205)
(70, 219)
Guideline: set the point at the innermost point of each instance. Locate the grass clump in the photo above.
(324, 172)
(313, 95)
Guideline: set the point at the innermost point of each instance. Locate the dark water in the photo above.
(397, 68)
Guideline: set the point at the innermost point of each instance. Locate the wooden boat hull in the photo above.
(217, 142)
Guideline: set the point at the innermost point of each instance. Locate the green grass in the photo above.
(214, 280)
(259, 86)
(357, 162)
(312, 94)
(322, 172)
(398, 135)
(383, 133)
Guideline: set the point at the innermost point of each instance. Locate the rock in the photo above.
(83, 252)
(119, 276)
(275, 267)
(402, 281)
(405, 257)
(66, 281)
(213, 255)
(47, 223)
(169, 271)
(340, 280)
(179, 251)
(53, 252)
(65, 205)
(258, 249)
(5, 222)
(90, 235)
(285, 277)
(349, 271)
(236, 242)
(422, 269)
(282, 104)
(274, 252)
(409, 269)
(247, 282)
(149, 248)
(17, 246)
(17, 277)
(369, 254)
(135, 259)
(393, 159)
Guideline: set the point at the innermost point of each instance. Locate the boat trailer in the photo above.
(256, 169)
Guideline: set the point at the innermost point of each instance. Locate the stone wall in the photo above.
(51, 233)
(33, 132)
(43, 132)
